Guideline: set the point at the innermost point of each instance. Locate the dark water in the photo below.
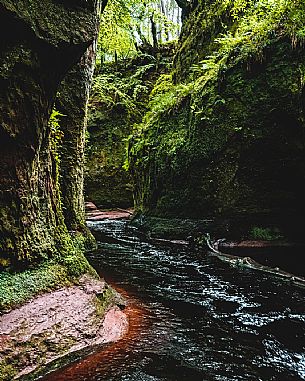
(194, 318)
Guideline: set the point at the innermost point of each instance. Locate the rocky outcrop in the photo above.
(72, 103)
(42, 331)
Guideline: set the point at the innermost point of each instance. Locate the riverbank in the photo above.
(237, 242)
(256, 243)
(95, 214)
(55, 310)
(58, 323)
(106, 358)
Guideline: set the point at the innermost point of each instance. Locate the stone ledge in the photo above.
(58, 323)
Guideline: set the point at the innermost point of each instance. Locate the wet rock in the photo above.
(288, 332)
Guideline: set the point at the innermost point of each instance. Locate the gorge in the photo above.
(188, 117)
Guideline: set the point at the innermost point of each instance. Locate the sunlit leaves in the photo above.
(124, 24)
(116, 36)
(258, 24)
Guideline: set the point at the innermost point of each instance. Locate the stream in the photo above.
(192, 317)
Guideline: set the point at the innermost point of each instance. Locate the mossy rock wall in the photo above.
(225, 138)
(38, 51)
(119, 100)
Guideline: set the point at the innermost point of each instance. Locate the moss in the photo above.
(83, 240)
(222, 33)
(46, 19)
(77, 265)
(7, 371)
(265, 233)
(118, 100)
(103, 302)
(169, 228)
(18, 288)
(15, 289)
(32, 227)
(225, 136)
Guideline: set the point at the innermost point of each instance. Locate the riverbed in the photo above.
(192, 317)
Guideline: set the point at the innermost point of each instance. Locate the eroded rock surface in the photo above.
(56, 324)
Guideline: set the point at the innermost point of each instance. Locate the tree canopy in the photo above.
(128, 25)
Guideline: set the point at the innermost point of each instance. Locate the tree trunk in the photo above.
(154, 32)
(34, 57)
(164, 10)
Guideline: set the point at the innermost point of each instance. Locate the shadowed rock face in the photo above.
(41, 41)
(72, 103)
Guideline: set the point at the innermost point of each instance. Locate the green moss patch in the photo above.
(18, 288)
(265, 233)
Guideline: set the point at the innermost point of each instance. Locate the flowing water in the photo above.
(193, 318)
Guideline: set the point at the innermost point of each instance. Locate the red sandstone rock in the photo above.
(58, 323)
(95, 214)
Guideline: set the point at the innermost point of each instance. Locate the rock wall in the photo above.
(44, 40)
(72, 102)
(225, 135)
(119, 99)
(48, 291)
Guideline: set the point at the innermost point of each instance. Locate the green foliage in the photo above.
(118, 100)
(125, 89)
(104, 300)
(166, 96)
(110, 91)
(265, 234)
(126, 24)
(187, 150)
(54, 123)
(7, 371)
(115, 31)
(256, 25)
(56, 133)
(77, 265)
(17, 288)
(164, 99)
